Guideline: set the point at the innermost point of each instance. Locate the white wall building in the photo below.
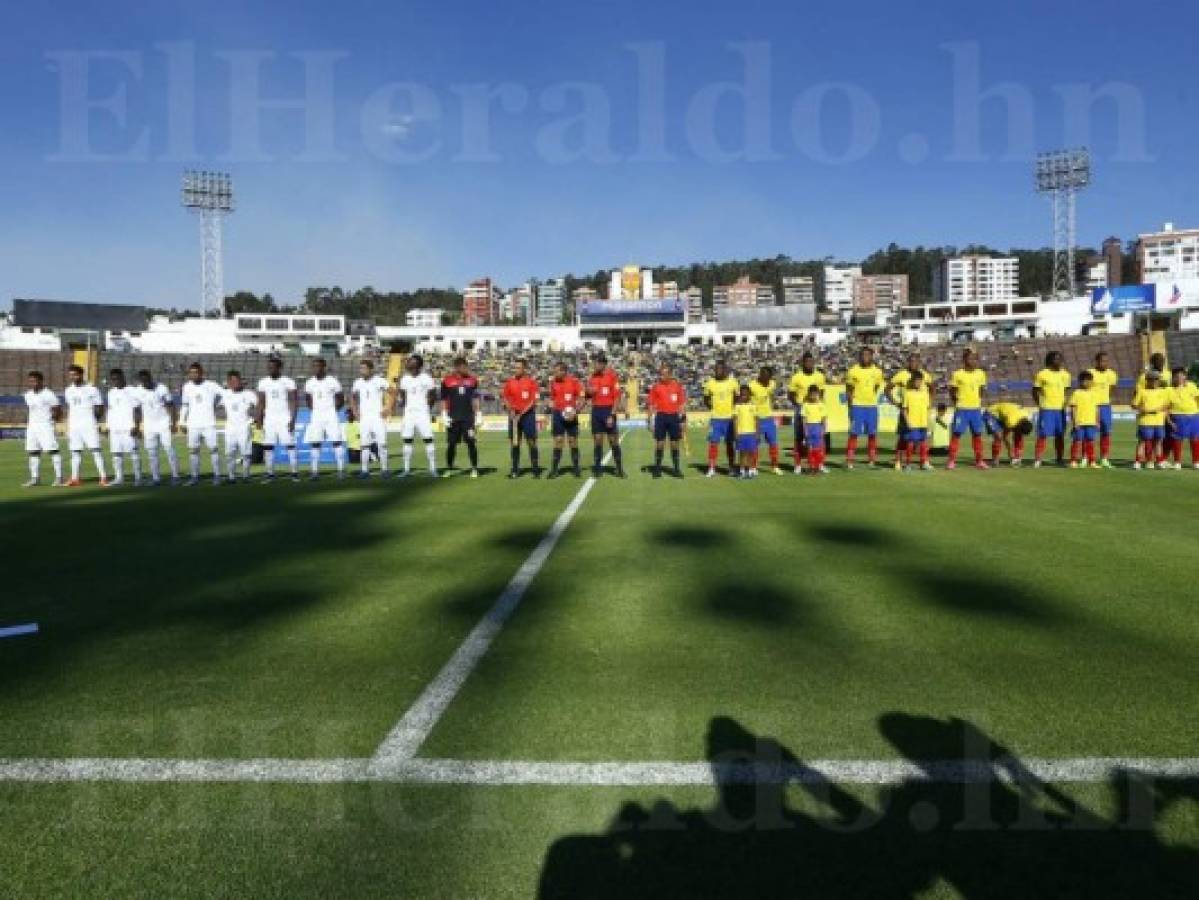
(1169, 255)
(647, 284)
(551, 302)
(423, 318)
(799, 289)
(838, 287)
(976, 279)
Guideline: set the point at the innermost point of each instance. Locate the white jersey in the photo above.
(372, 396)
(82, 401)
(416, 394)
(121, 405)
(238, 406)
(41, 407)
(274, 393)
(322, 394)
(155, 403)
(199, 404)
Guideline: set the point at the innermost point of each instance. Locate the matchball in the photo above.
(570, 414)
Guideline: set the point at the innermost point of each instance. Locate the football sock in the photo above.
(35, 467)
(977, 443)
(674, 455)
(534, 456)
(954, 443)
(872, 448)
(431, 456)
(515, 453)
(1105, 445)
(557, 459)
(293, 459)
(407, 456)
(851, 447)
(56, 461)
(574, 456)
(76, 462)
(472, 451)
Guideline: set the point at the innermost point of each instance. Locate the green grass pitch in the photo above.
(865, 616)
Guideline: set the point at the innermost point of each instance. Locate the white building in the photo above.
(695, 304)
(976, 279)
(647, 284)
(1169, 255)
(423, 318)
(1096, 273)
(838, 287)
(551, 302)
(799, 289)
(615, 288)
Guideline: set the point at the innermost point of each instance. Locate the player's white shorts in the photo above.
(373, 431)
(156, 436)
(121, 441)
(238, 442)
(417, 423)
(41, 439)
(205, 434)
(84, 437)
(276, 432)
(323, 429)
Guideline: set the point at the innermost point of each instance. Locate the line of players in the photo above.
(741, 417)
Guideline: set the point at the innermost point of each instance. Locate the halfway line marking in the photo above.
(418, 722)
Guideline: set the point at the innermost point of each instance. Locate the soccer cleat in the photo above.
(1017, 463)
(656, 472)
(711, 473)
(474, 473)
(314, 477)
(952, 464)
(898, 466)
(74, 482)
(1136, 465)
(778, 471)
(513, 475)
(678, 473)
(448, 474)
(268, 478)
(982, 464)
(104, 482)
(295, 476)
(175, 481)
(578, 472)
(1105, 463)
(1094, 465)
(1074, 464)
(798, 470)
(362, 476)
(116, 482)
(1151, 465)
(191, 482)
(32, 482)
(1178, 467)
(1036, 464)
(848, 466)
(58, 482)
(433, 473)
(927, 467)
(823, 469)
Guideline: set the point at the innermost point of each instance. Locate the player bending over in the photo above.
(1151, 403)
(418, 393)
(160, 422)
(1183, 416)
(371, 403)
(277, 418)
(325, 400)
(720, 396)
(124, 422)
(667, 404)
(1008, 426)
(85, 407)
(915, 408)
(745, 419)
(239, 405)
(520, 399)
(44, 412)
(199, 402)
(1084, 416)
(566, 395)
(815, 419)
(603, 392)
(461, 407)
(1049, 391)
(966, 388)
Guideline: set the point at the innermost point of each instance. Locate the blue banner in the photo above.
(671, 307)
(1126, 298)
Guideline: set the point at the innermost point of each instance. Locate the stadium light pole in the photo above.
(1062, 174)
(210, 195)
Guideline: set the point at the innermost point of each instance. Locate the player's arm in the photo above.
(339, 400)
(354, 403)
(56, 411)
(99, 408)
(890, 394)
(293, 404)
(1036, 393)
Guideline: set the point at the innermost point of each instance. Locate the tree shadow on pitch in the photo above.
(788, 831)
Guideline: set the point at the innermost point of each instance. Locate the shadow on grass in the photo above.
(803, 836)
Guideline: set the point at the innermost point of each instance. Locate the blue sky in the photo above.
(883, 92)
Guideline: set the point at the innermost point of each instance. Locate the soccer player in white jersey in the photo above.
(199, 401)
(124, 421)
(371, 402)
(277, 417)
(84, 408)
(44, 411)
(418, 393)
(159, 424)
(325, 400)
(239, 407)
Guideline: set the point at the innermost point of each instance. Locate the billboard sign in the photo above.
(1125, 298)
(671, 307)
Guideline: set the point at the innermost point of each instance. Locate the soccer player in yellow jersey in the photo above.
(815, 419)
(1106, 378)
(966, 387)
(1084, 415)
(797, 392)
(863, 382)
(745, 418)
(915, 405)
(900, 380)
(1007, 424)
(720, 396)
(1157, 363)
(1183, 417)
(761, 391)
(1049, 390)
(1151, 403)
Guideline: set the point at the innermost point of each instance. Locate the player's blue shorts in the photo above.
(1105, 419)
(668, 426)
(814, 435)
(863, 420)
(1151, 432)
(719, 430)
(916, 435)
(992, 424)
(1086, 432)
(1186, 427)
(526, 426)
(560, 426)
(599, 420)
(768, 428)
(1051, 423)
(747, 443)
(964, 419)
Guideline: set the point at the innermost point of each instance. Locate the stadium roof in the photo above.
(78, 316)
(766, 318)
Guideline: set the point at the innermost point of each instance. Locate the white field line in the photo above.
(595, 774)
(18, 630)
(420, 719)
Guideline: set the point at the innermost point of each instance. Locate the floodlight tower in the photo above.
(209, 194)
(1061, 175)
